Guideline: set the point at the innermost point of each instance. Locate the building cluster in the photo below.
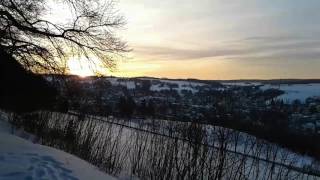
(192, 101)
(306, 116)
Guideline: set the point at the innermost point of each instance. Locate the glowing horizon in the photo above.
(213, 39)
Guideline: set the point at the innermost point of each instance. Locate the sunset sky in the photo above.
(221, 39)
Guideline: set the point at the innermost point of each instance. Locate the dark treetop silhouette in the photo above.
(27, 38)
(42, 45)
(22, 90)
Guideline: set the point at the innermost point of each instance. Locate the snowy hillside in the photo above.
(158, 84)
(292, 91)
(212, 133)
(296, 91)
(21, 159)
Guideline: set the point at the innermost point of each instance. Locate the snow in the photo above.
(122, 82)
(163, 85)
(182, 85)
(158, 87)
(212, 132)
(250, 146)
(292, 91)
(22, 159)
(4, 125)
(296, 91)
(241, 83)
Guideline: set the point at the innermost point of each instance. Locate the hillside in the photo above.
(154, 149)
(22, 159)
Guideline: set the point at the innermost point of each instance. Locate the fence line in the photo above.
(295, 168)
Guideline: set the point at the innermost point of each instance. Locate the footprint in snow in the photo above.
(31, 166)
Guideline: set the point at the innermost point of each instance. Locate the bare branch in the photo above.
(28, 36)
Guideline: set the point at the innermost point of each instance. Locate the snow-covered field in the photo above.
(121, 82)
(238, 142)
(241, 83)
(21, 159)
(292, 91)
(296, 91)
(238, 145)
(162, 85)
(143, 147)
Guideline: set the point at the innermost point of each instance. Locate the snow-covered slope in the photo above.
(292, 91)
(21, 159)
(296, 91)
(159, 84)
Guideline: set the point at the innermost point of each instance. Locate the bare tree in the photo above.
(40, 44)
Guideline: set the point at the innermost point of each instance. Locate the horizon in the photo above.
(122, 89)
(222, 39)
(168, 78)
(217, 40)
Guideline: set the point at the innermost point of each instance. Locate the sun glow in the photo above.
(83, 67)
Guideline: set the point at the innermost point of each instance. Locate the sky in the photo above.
(221, 39)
